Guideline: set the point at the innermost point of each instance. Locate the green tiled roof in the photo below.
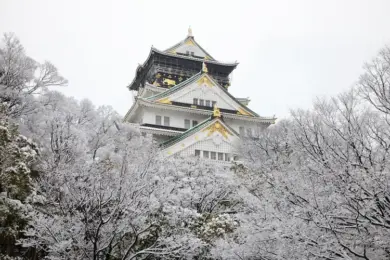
(192, 79)
(186, 133)
(192, 130)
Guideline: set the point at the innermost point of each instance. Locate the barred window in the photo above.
(187, 123)
(166, 121)
(158, 120)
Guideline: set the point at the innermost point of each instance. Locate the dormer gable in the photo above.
(213, 130)
(200, 91)
(189, 47)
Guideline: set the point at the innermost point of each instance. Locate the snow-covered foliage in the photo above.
(105, 193)
(21, 77)
(323, 176)
(81, 184)
(17, 160)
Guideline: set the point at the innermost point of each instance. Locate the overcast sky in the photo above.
(289, 51)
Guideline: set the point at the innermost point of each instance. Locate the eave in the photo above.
(133, 108)
(150, 87)
(141, 67)
(155, 130)
(159, 131)
(228, 64)
(155, 88)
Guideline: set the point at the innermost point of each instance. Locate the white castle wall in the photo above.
(209, 145)
(236, 124)
(176, 118)
(148, 115)
(205, 93)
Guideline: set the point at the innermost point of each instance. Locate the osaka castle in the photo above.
(182, 99)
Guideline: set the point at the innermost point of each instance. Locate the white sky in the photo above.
(289, 51)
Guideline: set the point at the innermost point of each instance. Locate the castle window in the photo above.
(207, 103)
(214, 155)
(214, 103)
(158, 120)
(201, 102)
(166, 121)
(195, 101)
(194, 123)
(187, 123)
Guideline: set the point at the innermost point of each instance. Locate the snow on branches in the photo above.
(81, 184)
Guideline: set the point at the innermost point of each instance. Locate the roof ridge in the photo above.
(235, 63)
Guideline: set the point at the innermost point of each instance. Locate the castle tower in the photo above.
(182, 99)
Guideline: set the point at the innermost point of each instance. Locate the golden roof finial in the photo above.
(216, 112)
(204, 68)
(189, 32)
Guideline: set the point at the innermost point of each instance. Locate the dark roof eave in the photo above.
(233, 64)
(153, 50)
(137, 71)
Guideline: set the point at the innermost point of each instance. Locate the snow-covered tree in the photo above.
(323, 177)
(315, 186)
(21, 77)
(17, 160)
(374, 84)
(105, 193)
